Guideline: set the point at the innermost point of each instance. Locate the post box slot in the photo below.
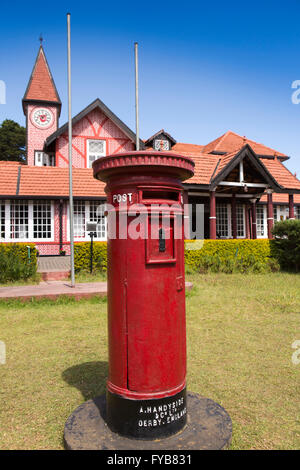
(160, 195)
(162, 240)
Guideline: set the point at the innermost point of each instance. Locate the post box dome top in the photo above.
(143, 162)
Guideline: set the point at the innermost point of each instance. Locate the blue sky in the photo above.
(205, 67)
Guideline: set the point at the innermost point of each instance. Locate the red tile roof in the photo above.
(8, 177)
(281, 198)
(51, 181)
(281, 174)
(230, 142)
(47, 181)
(41, 86)
(187, 148)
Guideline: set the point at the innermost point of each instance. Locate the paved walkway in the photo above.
(53, 263)
(54, 289)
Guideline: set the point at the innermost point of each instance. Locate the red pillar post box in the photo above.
(146, 387)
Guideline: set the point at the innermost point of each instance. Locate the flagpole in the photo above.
(70, 155)
(137, 129)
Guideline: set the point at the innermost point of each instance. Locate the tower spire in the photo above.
(41, 87)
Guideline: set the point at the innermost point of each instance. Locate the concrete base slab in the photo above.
(208, 427)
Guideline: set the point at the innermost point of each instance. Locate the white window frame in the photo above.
(297, 212)
(161, 143)
(86, 237)
(2, 203)
(229, 235)
(41, 157)
(242, 206)
(38, 158)
(282, 210)
(275, 212)
(97, 155)
(31, 220)
(30, 237)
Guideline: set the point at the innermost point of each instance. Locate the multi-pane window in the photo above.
(240, 221)
(42, 219)
(161, 144)
(297, 212)
(222, 220)
(2, 225)
(79, 219)
(275, 213)
(89, 211)
(95, 150)
(260, 222)
(97, 215)
(19, 220)
(27, 220)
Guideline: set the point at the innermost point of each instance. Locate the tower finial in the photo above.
(41, 39)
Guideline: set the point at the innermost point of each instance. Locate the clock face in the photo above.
(42, 117)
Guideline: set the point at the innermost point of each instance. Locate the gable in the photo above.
(253, 172)
(93, 126)
(97, 104)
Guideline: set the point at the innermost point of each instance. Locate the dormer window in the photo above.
(95, 150)
(161, 141)
(161, 144)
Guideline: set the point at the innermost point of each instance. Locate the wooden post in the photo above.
(233, 216)
(270, 213)
(291, 206)
(253, 213)
(212, 216)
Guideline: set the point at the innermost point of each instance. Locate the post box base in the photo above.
(208, 427)
(146, 419)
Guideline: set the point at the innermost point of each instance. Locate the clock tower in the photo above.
(41, 106)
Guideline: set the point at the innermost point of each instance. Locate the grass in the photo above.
(239, 329)
(86, 276)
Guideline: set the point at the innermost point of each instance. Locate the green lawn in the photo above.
(240, 330)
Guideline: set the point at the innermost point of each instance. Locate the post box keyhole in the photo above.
(162, 240)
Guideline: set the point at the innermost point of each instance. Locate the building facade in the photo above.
(240, 186)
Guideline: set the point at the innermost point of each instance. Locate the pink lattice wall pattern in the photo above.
(94, 125)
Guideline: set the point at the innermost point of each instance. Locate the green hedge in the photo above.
(15, 263)
(198, 253)
(224, 249)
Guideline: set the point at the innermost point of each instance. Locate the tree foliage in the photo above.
(287, 244)
(12, 141)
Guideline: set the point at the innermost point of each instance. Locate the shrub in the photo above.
(227, 256)
(286, 244)
(14, 262)
(82, 256)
